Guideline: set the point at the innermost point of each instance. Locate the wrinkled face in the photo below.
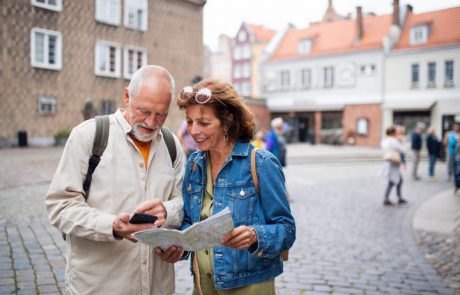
(147, 112)
(205, 128)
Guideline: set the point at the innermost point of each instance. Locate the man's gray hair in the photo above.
(142, 74)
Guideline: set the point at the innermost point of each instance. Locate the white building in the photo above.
(422, 80)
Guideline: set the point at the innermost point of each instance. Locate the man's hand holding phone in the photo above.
(125, 225)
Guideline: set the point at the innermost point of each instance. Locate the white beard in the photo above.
(141, 136)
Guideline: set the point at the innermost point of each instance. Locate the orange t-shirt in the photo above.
(144, 148)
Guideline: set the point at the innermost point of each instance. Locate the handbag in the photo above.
(284, 254)
(393, 156)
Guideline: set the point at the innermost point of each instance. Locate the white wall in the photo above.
(350, 86)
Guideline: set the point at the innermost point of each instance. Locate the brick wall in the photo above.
(173, 40)
(373, 114)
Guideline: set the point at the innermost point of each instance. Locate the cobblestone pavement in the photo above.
(347, 242)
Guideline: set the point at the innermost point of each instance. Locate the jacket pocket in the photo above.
(241, 202)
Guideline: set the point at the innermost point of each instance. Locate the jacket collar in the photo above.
(240, 149)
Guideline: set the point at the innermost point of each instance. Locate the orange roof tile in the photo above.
(261, 33)
(444, 28)
(334, 37)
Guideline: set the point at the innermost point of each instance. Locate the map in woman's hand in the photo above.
(201, 235)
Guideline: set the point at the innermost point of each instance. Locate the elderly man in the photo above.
(135, 174)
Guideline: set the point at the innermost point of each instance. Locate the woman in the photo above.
(276, 143)
(217, 176)
(393, 156)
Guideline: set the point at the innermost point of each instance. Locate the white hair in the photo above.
(145, 72)
(276, 122)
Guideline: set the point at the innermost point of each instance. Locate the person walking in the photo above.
(219, 175)
(450, 141)
(135, 174)
(394, 157)
(258, 140)
(416, 145)
(434, 149)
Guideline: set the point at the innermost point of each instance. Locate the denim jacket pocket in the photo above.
(241, 202)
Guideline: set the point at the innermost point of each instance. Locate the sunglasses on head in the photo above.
(201, 96)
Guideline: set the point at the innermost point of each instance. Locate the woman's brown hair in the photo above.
(229, 107)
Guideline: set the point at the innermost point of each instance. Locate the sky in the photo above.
(226, 16)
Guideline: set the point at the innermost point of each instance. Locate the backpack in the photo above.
(100, 143)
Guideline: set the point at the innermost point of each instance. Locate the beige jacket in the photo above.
(96, 262)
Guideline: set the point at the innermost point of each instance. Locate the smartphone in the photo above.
(139, 218)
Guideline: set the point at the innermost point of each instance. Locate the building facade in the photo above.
(326, 80)
(247, 49)
(422, 72)
(59, 55)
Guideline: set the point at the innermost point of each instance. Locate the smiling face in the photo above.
(205, 128)
(147, 112)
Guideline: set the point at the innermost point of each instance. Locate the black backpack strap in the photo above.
(170, 143)
(100, 143)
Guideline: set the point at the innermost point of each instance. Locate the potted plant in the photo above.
(60, 138)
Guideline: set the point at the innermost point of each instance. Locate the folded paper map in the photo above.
(201, 235)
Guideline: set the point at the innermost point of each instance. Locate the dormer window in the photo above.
(419, 35)
(305, 46)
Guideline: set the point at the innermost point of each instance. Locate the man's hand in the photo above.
(122, 228)
(241, 237)
(170, 255)
(153, 207)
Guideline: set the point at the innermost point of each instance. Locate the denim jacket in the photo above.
(268, 213)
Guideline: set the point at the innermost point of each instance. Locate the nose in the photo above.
(193, 129)
(151, 121)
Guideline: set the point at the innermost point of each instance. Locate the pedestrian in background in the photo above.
(276, 142)
(393, 159)
(258, 140)
(135, 174)
(186, 139)
(450, 141)
(220, 175)
(434, 149)
(416, 146)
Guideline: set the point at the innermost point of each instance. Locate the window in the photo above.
(246, 91)
(305, 78)
(418, 35)
(367, 69)
(46, 105)
(362, 126)
(108, 11)
(136, 12)
(242, 36)
(236, 72)
(134, 59)
(305, 46)
(106, 107)
(236, 53)
(415, 77)
(55, 5)
(246, 51)
(246, 70)
(107, 59)
(328, 77)
(431, 74)
(285, 80)
(449, 73)
(46, 49)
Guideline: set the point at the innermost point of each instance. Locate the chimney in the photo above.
(396, 13)
(359, 24)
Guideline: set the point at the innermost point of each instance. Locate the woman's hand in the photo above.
(170, 255)
(241, 237)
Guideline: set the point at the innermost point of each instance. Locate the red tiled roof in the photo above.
(334, 37)
(444, 28)
(261, 33)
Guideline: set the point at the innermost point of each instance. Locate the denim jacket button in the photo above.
(242, 193)
(189, 188)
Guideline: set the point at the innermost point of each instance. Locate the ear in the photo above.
(126, 98)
